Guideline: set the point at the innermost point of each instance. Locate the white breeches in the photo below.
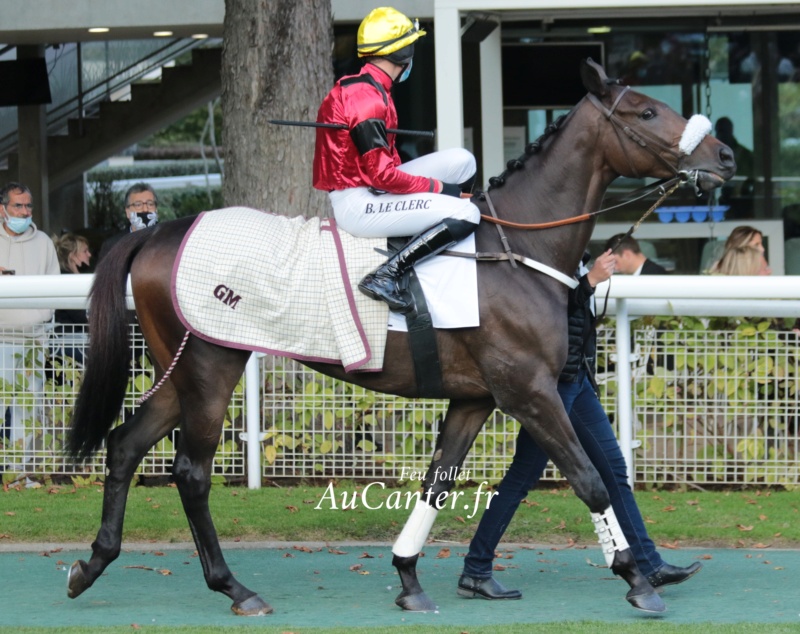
(363, 214)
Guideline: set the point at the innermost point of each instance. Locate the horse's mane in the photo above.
(532, 148)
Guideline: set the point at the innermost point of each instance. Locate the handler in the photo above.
(577, 389)
(372, 194)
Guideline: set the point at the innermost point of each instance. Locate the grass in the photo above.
(753, 518)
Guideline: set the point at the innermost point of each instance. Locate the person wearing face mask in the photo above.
(374, 195)
(24, 250)
(141, 212)
(74, 256)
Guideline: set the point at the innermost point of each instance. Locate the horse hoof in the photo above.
(254, 606)
(418, 602)
(647, 602)
(77, 581)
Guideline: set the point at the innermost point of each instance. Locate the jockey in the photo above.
(372, 194)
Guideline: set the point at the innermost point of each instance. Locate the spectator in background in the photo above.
(742, 261)
(629, 258)
(741, 236)
(73, 253)
(141, 210)
(745, 236)
(25, 251)
(74, 256)
(741, 188)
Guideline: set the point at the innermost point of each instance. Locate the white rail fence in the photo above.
(701, 406)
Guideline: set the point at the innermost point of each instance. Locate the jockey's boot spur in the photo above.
(384, 282)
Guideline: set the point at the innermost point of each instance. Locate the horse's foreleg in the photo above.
(126, 447)
(461, 425)
(621, 561)
(558, 439)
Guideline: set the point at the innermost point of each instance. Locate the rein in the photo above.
(661, 187)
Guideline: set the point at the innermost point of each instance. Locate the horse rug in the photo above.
(253, 280)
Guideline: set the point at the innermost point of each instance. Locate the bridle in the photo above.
(636, 134)
(641, 137)
(664, 187)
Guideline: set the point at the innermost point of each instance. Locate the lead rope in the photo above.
(171, 367)
(630, 232)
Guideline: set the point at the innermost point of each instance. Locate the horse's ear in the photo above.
(594, 77)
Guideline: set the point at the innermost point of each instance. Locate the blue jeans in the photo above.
(597, 438)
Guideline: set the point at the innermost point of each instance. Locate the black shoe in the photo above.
(669, 575)
(384, 288)
(489, 588)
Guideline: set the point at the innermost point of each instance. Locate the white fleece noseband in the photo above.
(695, 131)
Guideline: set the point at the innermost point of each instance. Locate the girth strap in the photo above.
(422, 341)
(421, 335)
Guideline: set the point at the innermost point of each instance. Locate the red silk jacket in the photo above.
(364, 155)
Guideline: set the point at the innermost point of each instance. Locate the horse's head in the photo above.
(648, 138)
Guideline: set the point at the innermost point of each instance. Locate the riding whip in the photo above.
(342, 126)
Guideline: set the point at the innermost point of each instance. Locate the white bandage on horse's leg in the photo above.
(415, 532)
(609, 534)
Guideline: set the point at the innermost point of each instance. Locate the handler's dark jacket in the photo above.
(582, 336)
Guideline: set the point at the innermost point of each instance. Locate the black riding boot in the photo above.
(383, 283)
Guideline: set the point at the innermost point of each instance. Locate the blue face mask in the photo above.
(18, 225)
(406, 72)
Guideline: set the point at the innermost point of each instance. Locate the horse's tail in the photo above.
(106, 377)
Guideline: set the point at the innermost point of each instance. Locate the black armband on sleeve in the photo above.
(369, 135)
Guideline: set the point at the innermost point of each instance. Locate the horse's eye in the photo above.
(648, 114)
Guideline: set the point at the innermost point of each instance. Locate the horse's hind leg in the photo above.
(125, 449)
(461, 425)
(205, 395)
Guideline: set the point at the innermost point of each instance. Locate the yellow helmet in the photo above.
(385, 31)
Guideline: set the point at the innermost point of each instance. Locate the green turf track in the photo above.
(151, 585)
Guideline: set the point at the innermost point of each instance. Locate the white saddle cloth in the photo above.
(450, 285)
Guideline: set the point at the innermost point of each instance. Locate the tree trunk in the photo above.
(276, 64)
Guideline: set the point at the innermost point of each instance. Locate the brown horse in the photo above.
(511, 362)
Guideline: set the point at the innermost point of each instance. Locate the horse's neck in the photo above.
(555, 185)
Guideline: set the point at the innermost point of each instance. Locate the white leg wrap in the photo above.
(415, 532)
(609, 534)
